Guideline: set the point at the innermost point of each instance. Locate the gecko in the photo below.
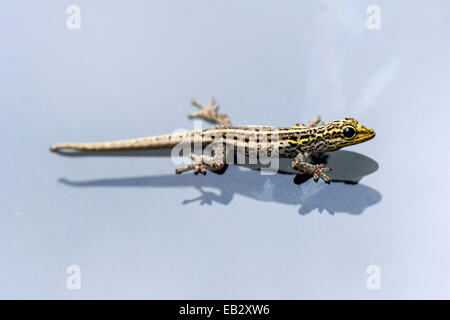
(298, 142)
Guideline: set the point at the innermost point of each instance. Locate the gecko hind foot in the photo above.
(210, 112)
(201, 164)
(197, 168)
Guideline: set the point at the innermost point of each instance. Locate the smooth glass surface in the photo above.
(137, 230)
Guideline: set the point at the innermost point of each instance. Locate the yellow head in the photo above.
(346, 132)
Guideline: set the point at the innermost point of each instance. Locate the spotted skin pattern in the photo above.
(298, 142)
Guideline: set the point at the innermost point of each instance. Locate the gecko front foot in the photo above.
(319, 173)
(316, 170)
(311, 124)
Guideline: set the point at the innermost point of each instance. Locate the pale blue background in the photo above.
(128, 222)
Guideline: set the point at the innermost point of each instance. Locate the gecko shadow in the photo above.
(345, 195)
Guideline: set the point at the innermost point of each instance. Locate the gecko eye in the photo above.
(349, 132)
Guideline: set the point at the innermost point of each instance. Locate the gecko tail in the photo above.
(158, 142)
(79, 147)
(89, 147)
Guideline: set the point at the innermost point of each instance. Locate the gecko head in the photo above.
(346, 132)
